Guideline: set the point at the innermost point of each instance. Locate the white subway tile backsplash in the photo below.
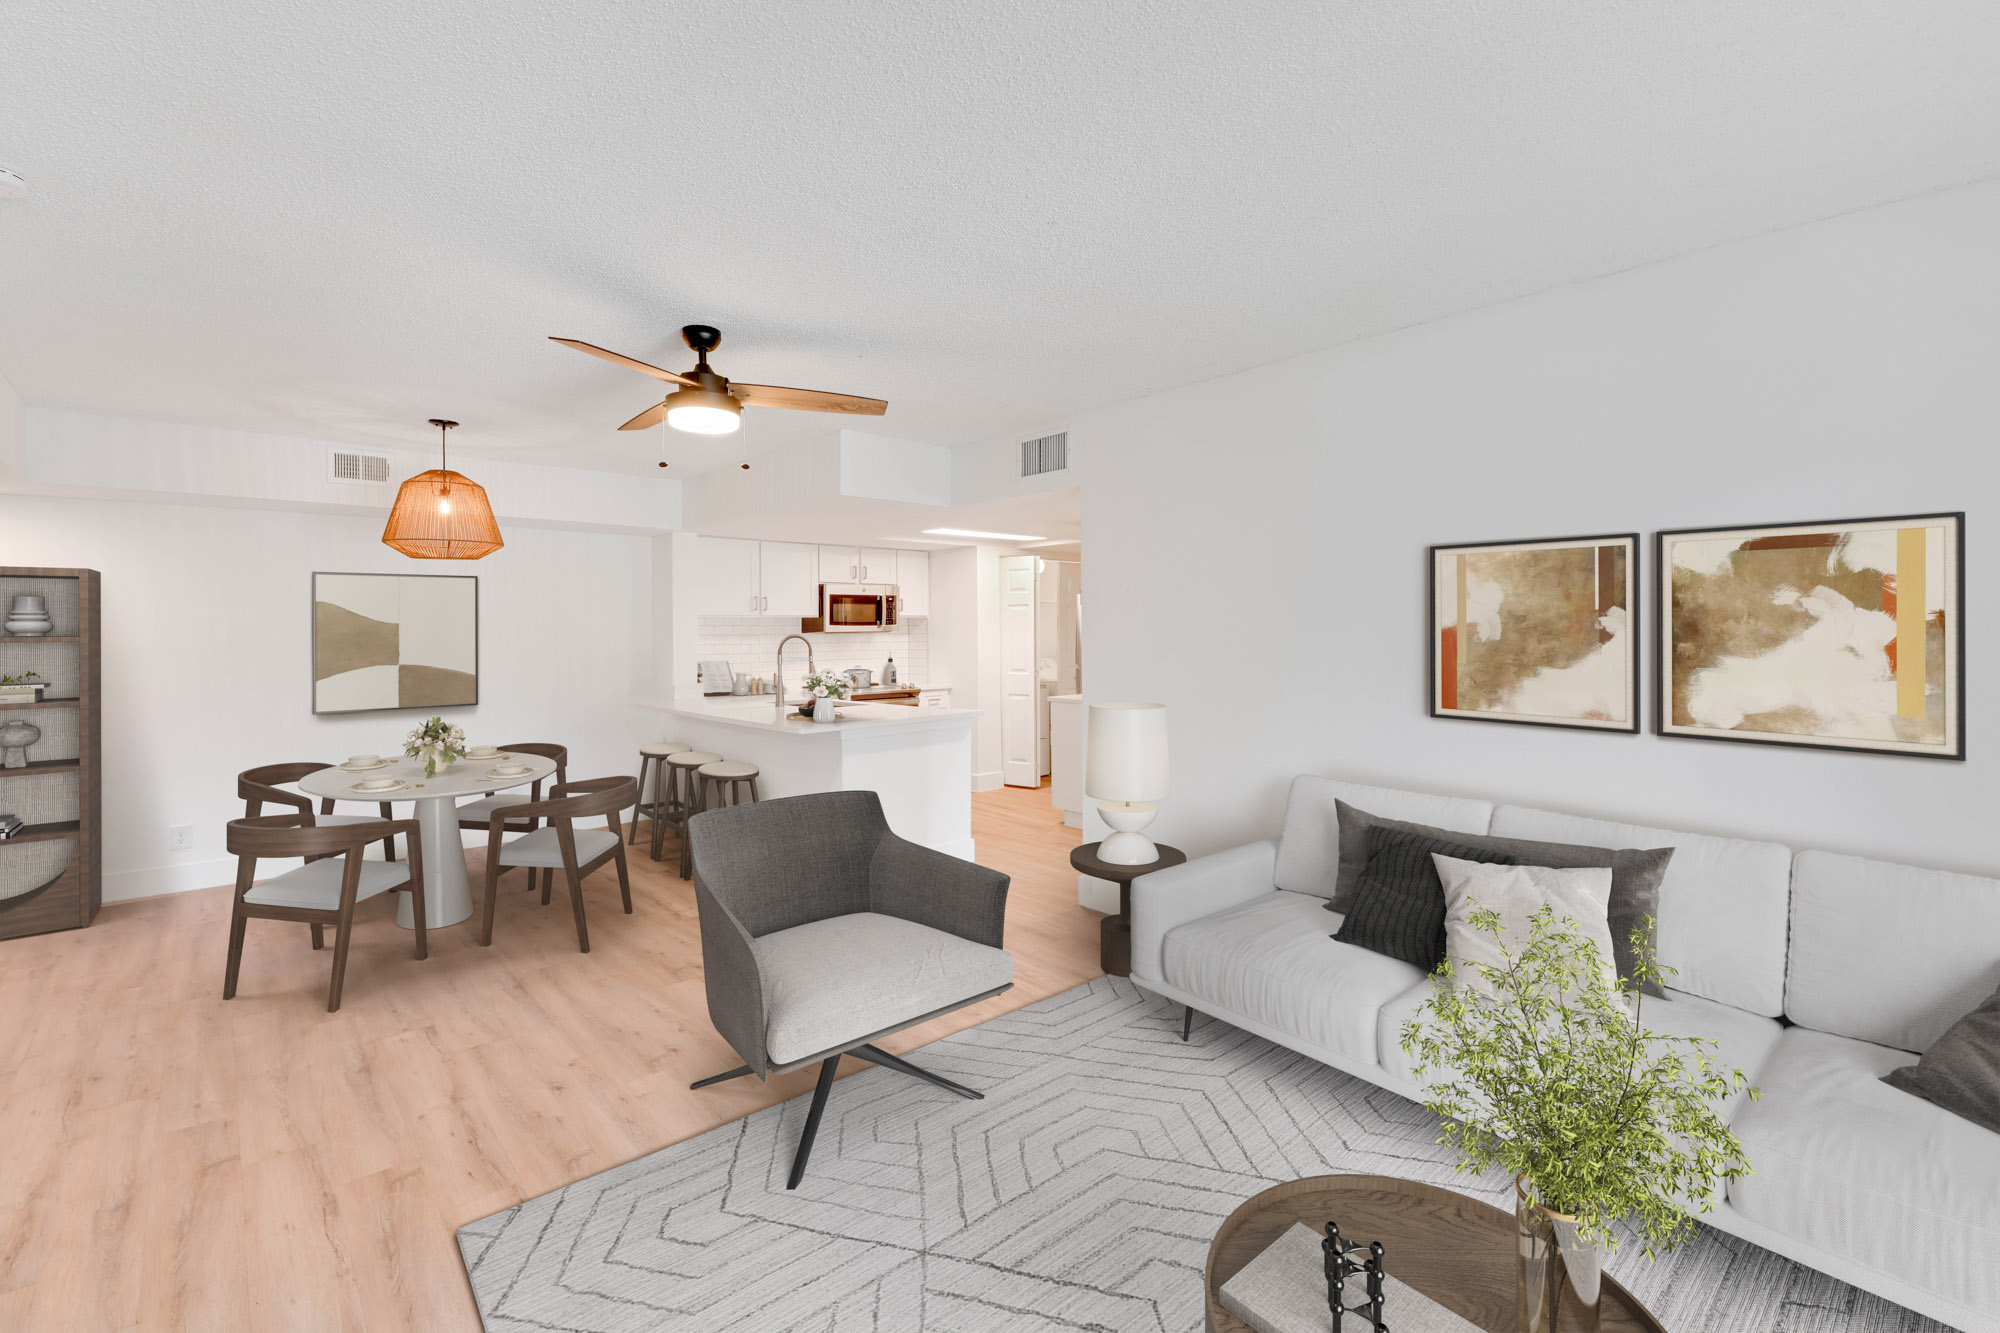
(750, 645)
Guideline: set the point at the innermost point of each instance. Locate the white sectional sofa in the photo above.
(1816, 973)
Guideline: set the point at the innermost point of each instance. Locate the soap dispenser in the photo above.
(889, 673)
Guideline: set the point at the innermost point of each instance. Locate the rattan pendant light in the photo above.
(441, 514)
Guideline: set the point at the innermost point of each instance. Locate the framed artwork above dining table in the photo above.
(390, 641)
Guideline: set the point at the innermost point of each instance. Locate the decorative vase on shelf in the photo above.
(15, 738)
(1561, 1273)
(28, 617)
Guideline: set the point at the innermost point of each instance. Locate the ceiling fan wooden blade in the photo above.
(806, 400)
(625, 361)
(650, 417)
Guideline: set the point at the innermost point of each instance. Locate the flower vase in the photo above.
(1559, 1270)
(823, 709)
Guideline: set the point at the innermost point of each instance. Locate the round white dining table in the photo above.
(447, 889)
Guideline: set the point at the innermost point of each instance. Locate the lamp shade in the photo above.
(1126, 753)
(442, 515)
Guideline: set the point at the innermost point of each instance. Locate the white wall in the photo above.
(1839, 370)
(207, 655)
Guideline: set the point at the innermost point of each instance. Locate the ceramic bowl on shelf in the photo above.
(28, 617)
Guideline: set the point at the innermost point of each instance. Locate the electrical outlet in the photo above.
(180, 838)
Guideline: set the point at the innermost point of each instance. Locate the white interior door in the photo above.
(1019, 763)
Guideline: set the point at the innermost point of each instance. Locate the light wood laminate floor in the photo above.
(172, 1161)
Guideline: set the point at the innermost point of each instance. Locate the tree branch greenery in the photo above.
(1554, 1078)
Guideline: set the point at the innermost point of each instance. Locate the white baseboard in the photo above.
(1073, 818)
(988, 781)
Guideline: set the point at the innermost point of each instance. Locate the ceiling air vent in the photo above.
(1048, 454)
(348, 465)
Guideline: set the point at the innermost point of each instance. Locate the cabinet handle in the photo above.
(753, 603)
(766, 606)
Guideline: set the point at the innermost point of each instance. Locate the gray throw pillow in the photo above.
(1635, 873)
(1961, 1070)
(1399, 903)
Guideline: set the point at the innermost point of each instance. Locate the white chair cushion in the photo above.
(1860, 1169)
(831, 982)
(541, 848)
(1273, 959)
(1887, 953)
(483, 808)
(1309, 851)
(323, 821)
(316, 884)
(1724, 903)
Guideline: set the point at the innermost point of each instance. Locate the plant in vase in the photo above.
(825, 690)
(438, 743)
(1547, 1072)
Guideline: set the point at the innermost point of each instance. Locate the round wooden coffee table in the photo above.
(1455, 1250)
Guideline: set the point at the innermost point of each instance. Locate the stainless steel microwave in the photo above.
(857, 608)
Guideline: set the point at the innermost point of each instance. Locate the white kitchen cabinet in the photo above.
(788, 579)
(934, 698)
(728, 576)
(913, 578)
(878, 564)
(839, 564)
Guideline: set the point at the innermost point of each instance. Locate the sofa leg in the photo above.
(1187, 1021)
(737, 1072)
(874, 1055)
(826, 1068)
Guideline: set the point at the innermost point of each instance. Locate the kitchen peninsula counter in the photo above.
(918, 760)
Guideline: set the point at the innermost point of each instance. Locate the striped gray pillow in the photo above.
(1398, 907)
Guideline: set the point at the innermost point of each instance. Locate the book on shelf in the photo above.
(10, 825)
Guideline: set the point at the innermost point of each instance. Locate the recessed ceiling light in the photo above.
(991, 536)
(13, 185)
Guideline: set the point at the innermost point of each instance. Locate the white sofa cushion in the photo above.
(832, 982)
(1274, 959)
(1743, 1041)
(1843, 1161)
(1309, 851)
(1723, 903)
(1887, 953)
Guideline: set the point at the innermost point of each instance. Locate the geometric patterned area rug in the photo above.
(1082, 1193)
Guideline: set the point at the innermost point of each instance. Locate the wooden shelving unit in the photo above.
(58, 793)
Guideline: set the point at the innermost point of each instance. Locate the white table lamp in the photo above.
(1125, 770)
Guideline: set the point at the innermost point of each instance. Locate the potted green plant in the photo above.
(1546, 1070)
(438, 743)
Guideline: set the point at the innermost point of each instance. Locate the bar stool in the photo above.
(684, 795)
(727, 779)
(654, 758)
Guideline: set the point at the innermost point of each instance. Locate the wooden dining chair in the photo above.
(258, 786)
(475, 815)
(324, 890)
(578, 852)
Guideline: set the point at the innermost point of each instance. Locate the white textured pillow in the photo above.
(1517, 893)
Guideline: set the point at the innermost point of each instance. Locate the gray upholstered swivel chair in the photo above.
(822, 931)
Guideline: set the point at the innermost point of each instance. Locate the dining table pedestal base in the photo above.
(447, 888)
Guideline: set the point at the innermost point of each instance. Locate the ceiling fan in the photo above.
(707, 404)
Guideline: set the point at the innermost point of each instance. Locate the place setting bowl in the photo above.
(363, 763)
(513, 770)
(484, 752)
(380, 786)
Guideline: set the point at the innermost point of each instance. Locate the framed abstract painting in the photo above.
(384, 641)
(1537, 632)
(1844, 636)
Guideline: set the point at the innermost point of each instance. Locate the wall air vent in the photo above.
(349, 465)
(1048, 454)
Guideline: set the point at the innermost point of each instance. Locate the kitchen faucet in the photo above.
(778, 670)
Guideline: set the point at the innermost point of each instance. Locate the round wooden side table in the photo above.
(1455, 1250)
(1114, 935)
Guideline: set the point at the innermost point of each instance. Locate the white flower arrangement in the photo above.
(438, 743)
(824, 685)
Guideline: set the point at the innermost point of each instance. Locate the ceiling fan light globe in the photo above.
(703, 412)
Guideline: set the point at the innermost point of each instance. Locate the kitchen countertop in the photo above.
(760, 711)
